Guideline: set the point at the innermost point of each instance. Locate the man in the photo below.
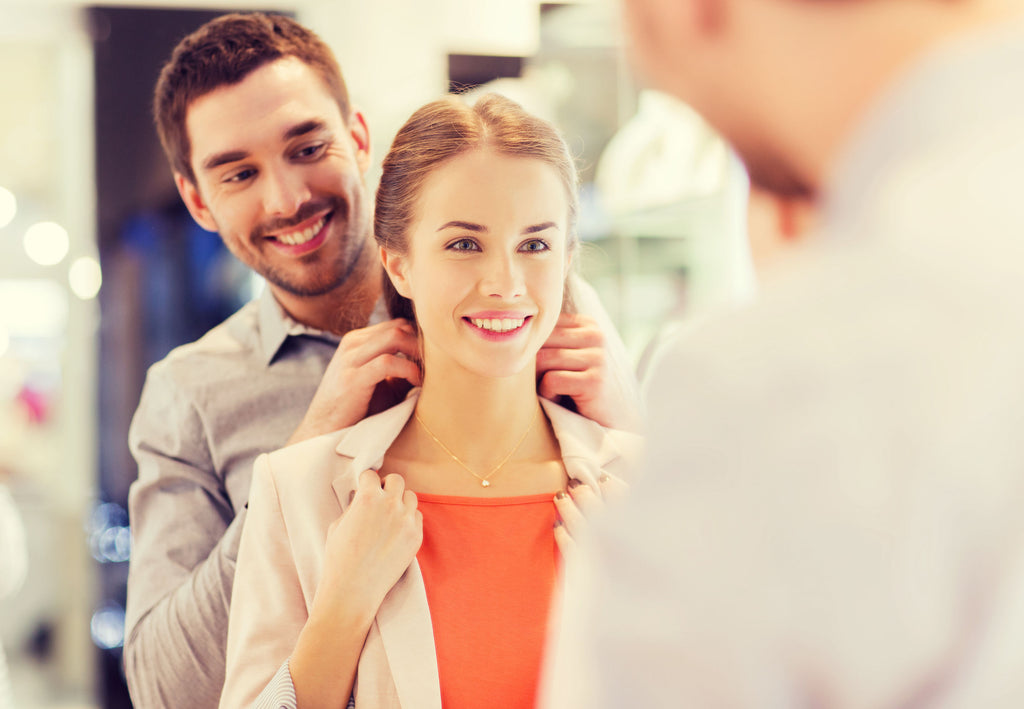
(254, 116)
(831, 515)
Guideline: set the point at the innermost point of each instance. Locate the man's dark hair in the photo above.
(223, 52)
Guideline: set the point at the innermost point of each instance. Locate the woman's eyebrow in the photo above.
(539, 227)
(468, 226)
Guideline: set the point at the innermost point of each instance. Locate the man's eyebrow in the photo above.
(310, 126)
(218, 159)
(229, 156)
(468, 226)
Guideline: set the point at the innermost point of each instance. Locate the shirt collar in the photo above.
(276, 326)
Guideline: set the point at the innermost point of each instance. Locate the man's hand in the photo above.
(381, 355)
(574, 363)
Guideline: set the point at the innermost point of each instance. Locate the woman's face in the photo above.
(487, 261)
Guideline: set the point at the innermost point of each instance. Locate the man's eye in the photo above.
(311, 151)
(535, 245)
(240, 176)
(463, 245)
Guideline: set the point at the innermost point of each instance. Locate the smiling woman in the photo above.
(444, 517)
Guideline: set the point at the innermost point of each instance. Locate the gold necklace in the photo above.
(484, 479)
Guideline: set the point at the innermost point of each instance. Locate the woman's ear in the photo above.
(396, 265)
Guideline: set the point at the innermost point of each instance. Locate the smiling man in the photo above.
(831, 516)
(267, 151)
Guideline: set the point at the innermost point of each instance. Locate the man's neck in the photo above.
(345, 308)
(883, 27)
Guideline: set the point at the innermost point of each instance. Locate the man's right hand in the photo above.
(366, 358)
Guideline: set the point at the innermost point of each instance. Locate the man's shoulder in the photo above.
(227, 347)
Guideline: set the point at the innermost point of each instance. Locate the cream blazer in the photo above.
(297, 492)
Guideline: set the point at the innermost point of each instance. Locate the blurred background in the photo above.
(102, 271)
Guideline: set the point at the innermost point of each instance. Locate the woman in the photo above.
(432, 581)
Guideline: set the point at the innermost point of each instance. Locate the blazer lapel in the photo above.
(590, 450)
(403, 619)
(408, 637)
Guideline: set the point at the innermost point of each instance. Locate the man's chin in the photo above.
(775, 176)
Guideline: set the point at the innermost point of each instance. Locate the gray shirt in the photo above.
(207, 411)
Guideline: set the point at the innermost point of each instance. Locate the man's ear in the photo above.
(396, 265)
(360, 133)
(194, 202)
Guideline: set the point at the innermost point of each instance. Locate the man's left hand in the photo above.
(574, 363)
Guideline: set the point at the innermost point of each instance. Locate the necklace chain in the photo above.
(484, 479)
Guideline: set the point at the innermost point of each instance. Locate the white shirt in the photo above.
(833, 512)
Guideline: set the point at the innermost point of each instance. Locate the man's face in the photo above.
(279, 175)
(689, 48)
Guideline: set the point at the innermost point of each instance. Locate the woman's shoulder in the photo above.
(307, 467)
(316, 463)
(581, 437)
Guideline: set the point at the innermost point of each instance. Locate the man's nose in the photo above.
(284, 192)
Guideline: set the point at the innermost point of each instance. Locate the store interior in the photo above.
(102, 271)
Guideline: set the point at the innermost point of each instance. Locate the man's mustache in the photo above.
(303, 213)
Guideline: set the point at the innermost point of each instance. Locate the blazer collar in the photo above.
(586, 446)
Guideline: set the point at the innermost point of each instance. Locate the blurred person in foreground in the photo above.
(831, 512)
(267, 151)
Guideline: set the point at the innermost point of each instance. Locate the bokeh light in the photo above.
(46, 243)
(85, 277)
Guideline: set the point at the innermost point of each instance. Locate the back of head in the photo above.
(224, 52)
(442, 130)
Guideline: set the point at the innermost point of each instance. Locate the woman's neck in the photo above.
(480, 419)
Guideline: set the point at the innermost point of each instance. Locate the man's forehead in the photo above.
(262, 110)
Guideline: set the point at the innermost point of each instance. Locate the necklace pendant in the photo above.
(485, 483)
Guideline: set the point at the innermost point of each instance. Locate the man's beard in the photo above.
(774, 174)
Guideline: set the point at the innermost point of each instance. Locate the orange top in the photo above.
(489, 566)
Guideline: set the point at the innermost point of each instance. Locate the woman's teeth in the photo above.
(498, 324)
(296, 238)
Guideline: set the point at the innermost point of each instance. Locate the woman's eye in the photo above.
(463, 245)
(535, 245)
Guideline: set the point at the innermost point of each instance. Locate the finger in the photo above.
(560, 382)
(368, 482)
(390, 341)
(394, 484)
(389, 366)
(409, 500)
(575, 332)
(586, 499)
(612, 488)
(359, 335)
(569, 359)
(566, 544)
(570, 514)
